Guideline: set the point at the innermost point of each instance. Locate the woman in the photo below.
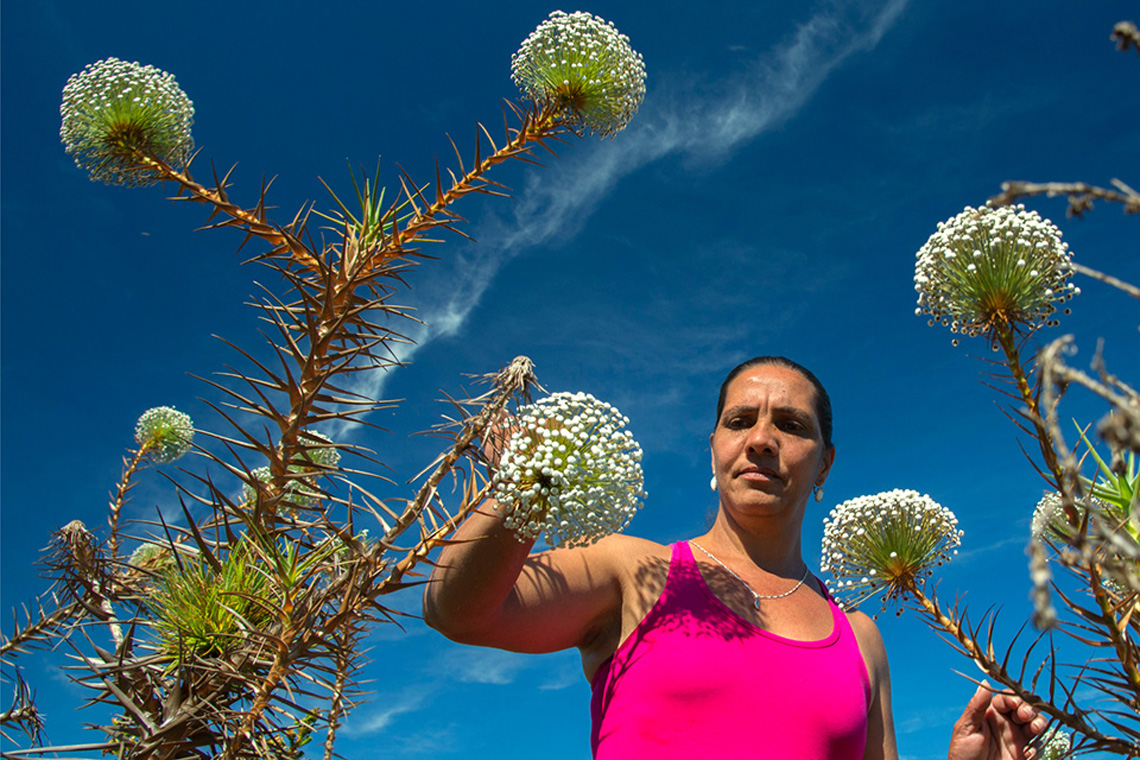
(725, 644)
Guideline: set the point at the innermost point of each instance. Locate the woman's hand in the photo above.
(995, 726)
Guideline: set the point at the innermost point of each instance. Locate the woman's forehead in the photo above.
(771, 383)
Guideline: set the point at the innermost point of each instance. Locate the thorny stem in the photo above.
(252, 222)
(1125, 652)
(125, 485)
(994, 670)
(39, 628)
(536, 126)
(1008, 342)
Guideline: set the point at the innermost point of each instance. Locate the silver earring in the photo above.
(712, 483)
(817, 492)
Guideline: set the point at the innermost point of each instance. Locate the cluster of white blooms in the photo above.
(327, 457)
(165, 433)
(1055, 747)
(299, 492)
(580, 65)
(887, 542)
(571, 472)
(992, 266)
(1049, 519)
(113, 108)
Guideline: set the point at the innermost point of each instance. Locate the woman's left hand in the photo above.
(995, 726)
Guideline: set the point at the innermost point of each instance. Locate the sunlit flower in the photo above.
(571, 472)
(324, 457)
(993, 267)
(1049, 519)
(165, 433)
(1056, 746)
(887, 542)
(299, 491)
(115, 110)
(579, 65)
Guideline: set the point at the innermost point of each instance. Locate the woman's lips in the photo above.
(758, 474)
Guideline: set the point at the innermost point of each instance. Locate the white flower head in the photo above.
(571, 472)
(324, 457)
(888, 542)
(298, 490)
(988, 268)
(115, 110)
(1055, 746)
(165, 433)
(579, 65)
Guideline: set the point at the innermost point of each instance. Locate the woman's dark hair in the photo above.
(822, 400)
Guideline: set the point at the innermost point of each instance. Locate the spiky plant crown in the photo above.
(989, 269)
(581, 67)
(203, 612)
(115, 110)
(571, 473)
(887, 542)
(165, 433)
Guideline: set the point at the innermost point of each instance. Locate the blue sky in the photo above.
(788, 161)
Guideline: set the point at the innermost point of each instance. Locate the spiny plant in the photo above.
(1000, 273)
(235, 632)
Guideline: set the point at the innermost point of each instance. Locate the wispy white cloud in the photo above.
(489, 666)
(678, 122)
(378, 718)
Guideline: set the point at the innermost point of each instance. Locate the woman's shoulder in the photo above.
(624, 553)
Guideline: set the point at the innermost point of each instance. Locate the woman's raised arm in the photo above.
(488, 590)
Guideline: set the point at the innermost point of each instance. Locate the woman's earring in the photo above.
(817, 491)
(712, 483)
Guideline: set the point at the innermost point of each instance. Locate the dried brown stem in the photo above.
(984, 658)
(1080, 194)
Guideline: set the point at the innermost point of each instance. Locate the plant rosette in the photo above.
(114, 112)
(164, 433)
(888, 542)
(571, 472)
(581, 68)
(988, 270)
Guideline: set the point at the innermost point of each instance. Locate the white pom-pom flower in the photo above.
(993, 269)
(580, 66)
(571, 473)
(1056, 746)
(887, 542)
(114, 111)
(165, 433)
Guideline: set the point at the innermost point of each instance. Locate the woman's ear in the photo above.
(825, 466)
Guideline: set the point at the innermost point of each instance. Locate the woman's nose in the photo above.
(762, 439)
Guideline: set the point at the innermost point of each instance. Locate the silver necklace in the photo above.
(755, 597)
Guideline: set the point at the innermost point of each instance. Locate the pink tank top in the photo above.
(695, 680)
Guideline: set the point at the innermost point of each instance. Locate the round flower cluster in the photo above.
(324, 457)
(114, 110)
(887, 542)
(1055, 747)
(580, 66)
(1049, 519)
(299, 491)
(989, 267)
(164, 433)
(571, 472)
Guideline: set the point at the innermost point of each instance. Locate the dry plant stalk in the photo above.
(237, 634)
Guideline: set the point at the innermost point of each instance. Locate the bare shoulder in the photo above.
(870, 644)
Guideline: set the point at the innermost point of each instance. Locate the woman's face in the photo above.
(767, 449)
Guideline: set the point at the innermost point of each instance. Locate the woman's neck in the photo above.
(774, 548)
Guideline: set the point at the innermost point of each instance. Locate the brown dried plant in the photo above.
(1091, 529)
(237, 634)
